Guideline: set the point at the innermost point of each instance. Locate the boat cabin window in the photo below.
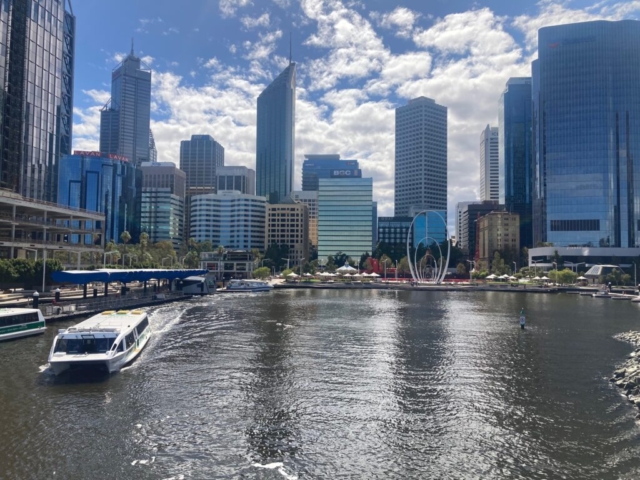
(85, 344)
(130, 340)
(10, 320)
(142, 326)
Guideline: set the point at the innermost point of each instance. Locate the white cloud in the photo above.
(228, 8)
(350, 83)
(401, 19)
(148, 60)
(171, 30)
(261, 21)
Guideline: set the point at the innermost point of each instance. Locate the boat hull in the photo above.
(22, 333)
(111, 365)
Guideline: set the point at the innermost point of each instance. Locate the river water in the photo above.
(336, 384)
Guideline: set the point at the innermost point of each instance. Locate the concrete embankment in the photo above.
(418, 288)
(627, 377)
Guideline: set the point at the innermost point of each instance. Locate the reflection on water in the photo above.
(326, 384)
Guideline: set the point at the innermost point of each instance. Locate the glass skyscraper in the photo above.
(37, 50)
(125, 121)
(586, 102)
(344, 216)
(516, 154)
(421, 156)
(105, 184)
(275, 142)
(315, 167)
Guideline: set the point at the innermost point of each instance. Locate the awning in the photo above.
(82, 277)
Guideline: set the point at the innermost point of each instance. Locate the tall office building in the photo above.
(460, 206)
(516, 154)
(288, 224)
(153, 151)
(489, 164)
(310, 199)
(162, 204)
(470, 213)
(344, 216)
(497, 231)
(200, 158)
(242, 179)
(125, 120)
(587, 142)
(230, 219)
(275, 142)
(108, 184)
(36, 109)
(374, 226)
(421, 156)
(315, 167)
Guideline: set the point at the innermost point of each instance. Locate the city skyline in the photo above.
(343, 104)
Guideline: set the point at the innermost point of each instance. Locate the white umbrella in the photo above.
(491, 277)
(545, 278)
(365, 274)
(308, 275)
(374, 275)
(325, 274)
(346, 275)
(537, 278)
(582, 278)
(292, 275)
(359, 275)
(512, 278)
(346, 268)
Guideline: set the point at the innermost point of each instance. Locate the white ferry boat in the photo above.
(109, 340)
(248, 286)
(20, 322)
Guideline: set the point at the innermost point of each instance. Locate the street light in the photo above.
(287, 262)
(104, 262)
(534, 266)
(130, 255)
(167, 258)
(472, 266)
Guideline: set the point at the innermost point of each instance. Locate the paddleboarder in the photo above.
(522, 319)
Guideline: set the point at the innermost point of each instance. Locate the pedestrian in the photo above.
(522, 319)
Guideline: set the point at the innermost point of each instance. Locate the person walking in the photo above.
(523, 319)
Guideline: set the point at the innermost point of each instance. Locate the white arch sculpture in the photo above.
(441, 270)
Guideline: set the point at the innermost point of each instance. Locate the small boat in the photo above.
(109, 340)
(20, 322)
(601, 294)
(622, 297)
(635, 299)
(248, 286)
(586, 294)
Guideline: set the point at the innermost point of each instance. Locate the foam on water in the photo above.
(279, 467)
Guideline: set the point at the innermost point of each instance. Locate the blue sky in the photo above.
(357, 62)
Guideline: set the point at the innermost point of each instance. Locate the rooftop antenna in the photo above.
(290, 48)
(132, 47)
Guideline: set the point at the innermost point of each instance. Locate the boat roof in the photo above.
(109, 321)
(14, 311)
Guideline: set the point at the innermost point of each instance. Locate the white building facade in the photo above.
(490, 164)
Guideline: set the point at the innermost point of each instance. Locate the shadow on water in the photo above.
(272, 434)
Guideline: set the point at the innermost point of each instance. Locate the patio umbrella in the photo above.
(346, 268)
(545, 278)
(582, 278)
(537, 278)
(365, 274)
(374, 275)
(512, 278)
(346, 275)
(293, 275)
(307, 275)
(491, 277)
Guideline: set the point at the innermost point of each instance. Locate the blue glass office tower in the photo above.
(37, 51)
(586, 101)
(275, 142)
(515, 154)
(125, 121)
(316, 167)
(98, 183)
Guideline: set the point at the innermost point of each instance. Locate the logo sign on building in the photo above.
(87, 153)
(353, 173)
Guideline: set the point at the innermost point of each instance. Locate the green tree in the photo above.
(340, 258)
(497, 266)
(368, 265)
(385, 259)
(403, 266)
(286, 272)
(261, 273)
(192, 259)
(126, 238)
(461, 269)
(558, 260)
(331, 264)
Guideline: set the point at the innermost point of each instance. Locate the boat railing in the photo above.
(111, 302)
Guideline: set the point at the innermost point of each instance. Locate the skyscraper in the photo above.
(489, 164)
(315, 167)
(162, 205)
(200, 158)
(421, 156)
(516, 154)
(587, 142)
(36, 109)
(275, 143)
(242, 179)
(125, 120)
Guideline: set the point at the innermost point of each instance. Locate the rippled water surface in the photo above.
(336, 384)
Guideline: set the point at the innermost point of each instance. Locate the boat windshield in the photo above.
(85, 344)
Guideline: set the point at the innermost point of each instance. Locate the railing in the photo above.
(111, 302)
(39, 243)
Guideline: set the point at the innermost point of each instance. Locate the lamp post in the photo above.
(385, 268)
(301, 261)
(556, 269)
(534, 266)
(288, 260)
(472, 266)
(515, 268)
(167, 258)
(104, 262)
(130, 255)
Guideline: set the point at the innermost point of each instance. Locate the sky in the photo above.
(357, 61)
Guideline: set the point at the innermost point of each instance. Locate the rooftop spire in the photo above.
(132, 47)
(290, 49)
